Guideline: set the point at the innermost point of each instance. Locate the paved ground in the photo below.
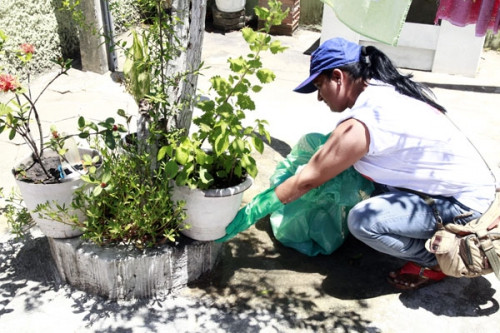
(259, 285)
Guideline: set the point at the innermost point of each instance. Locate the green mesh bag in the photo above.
(316, 223)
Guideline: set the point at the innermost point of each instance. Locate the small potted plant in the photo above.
(214, 165)
(51, 172)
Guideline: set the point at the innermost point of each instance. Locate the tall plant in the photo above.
(219, 153)
(153, 77)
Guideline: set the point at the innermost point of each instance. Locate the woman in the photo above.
(394, 133)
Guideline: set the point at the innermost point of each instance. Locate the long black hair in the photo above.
(375, 64)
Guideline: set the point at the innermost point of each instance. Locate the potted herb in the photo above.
(51, 172)
(214, 165)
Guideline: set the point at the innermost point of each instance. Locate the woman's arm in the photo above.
(348, 143)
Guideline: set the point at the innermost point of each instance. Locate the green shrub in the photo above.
(50, 29)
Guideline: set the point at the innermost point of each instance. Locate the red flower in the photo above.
(8, 83)
(27, 48)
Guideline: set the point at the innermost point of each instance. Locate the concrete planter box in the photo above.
(120, 272)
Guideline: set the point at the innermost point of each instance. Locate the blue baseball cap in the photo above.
(331, 54)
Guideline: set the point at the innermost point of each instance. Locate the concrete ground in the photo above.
(259, 285)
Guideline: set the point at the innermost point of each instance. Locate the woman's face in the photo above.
(330, 90)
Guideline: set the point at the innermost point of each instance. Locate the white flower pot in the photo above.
(209, 212)
(230, 6)
(60, 193)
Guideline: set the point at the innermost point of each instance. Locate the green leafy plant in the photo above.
(125, 200)
(137, 68)
(219, 153)
(126, 197)
(16, 214)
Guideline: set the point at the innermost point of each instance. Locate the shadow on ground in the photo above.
(464, 87)
(257, 284)
(354, 272)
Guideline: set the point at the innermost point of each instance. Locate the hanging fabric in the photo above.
(381, 20)
(485, 14)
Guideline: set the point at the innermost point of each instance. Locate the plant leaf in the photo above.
(258, 144)
(171, 169)
(206, 177)
(265, 75)
(181, 156)
(221, 144)
(161, 153)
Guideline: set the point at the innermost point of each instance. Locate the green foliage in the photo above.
(125, 14)
(125, 200)
(137, 68)
(221, 125)
(492, 41)
(126, 197)
(51, 31)
(150, 69)
(17, 215)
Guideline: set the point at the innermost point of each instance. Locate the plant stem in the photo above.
(38, 122)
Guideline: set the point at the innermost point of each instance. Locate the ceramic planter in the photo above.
(61, 193)
(210, 211)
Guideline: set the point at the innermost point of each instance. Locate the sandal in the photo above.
(412, 276)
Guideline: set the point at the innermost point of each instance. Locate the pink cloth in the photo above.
(485, 14)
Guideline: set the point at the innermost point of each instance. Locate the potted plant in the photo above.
(141, 170)
(51, 172)
(131, 246)
(127, 199)
(214, 165)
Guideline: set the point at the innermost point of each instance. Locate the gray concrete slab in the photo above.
(259, 285)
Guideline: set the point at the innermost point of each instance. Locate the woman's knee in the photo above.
(357, 221)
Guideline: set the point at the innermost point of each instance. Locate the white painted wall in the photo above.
(444, 49)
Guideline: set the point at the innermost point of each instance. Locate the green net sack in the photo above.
(316, 223)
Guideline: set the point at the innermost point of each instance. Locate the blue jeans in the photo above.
(398, 223)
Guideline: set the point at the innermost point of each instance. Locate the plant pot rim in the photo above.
(229, 191)
(29, 158)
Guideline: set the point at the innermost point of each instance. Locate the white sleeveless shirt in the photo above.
(415, 146)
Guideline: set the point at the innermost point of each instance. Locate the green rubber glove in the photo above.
(261, 205)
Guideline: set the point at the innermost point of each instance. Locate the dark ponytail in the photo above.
(375, 64)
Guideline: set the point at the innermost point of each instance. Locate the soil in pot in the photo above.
(33, 173)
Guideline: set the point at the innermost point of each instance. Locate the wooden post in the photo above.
(192, 15)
